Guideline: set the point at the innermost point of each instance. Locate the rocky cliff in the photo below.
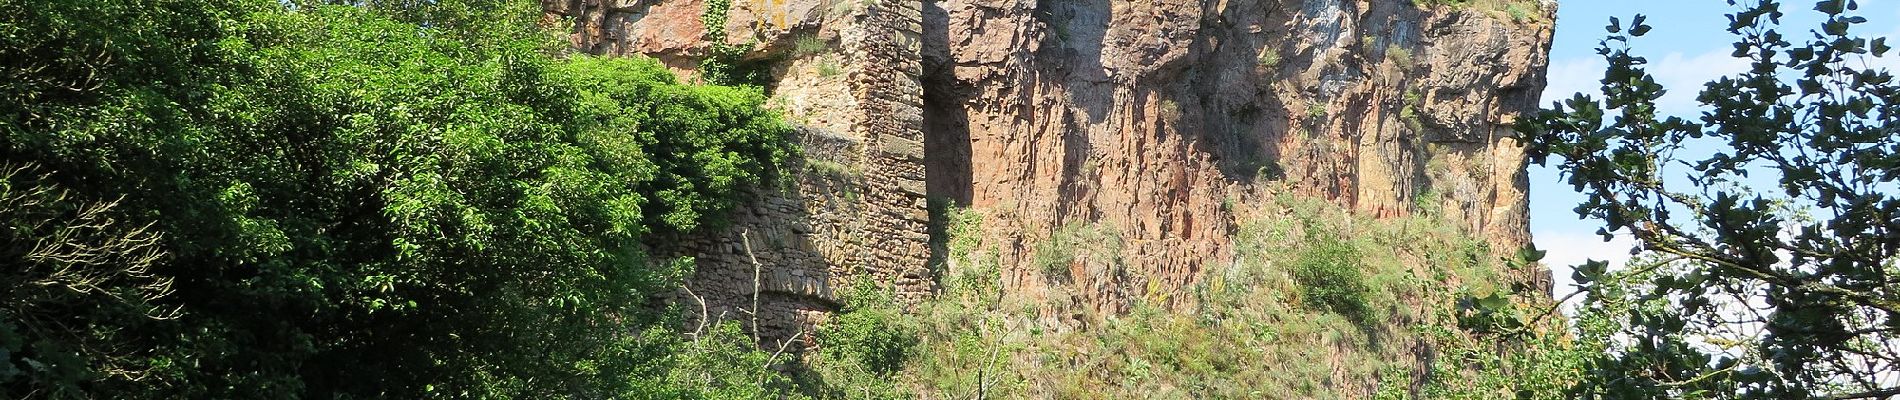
(1130, 127)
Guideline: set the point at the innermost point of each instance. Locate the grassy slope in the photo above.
(1318, 304)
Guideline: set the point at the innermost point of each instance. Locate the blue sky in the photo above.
(1687, 47)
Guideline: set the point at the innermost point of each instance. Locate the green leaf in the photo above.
(1493, 302)
(1831, 7)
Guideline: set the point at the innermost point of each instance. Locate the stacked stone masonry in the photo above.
(856, 206)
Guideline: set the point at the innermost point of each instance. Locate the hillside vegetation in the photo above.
(1319, 303)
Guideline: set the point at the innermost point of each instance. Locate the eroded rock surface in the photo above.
(1145, 117)
(1138, 122)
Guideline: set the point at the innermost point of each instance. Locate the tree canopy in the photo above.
(1770, 217)
(262, 199)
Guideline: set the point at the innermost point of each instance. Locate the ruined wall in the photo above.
(1140, 122)
(846, 73)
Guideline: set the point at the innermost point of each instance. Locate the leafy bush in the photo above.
(869, 332)
(864, 346)
(1330, 278)
(1778, 281)
(721, 363)
(725, 63)
(1054, 257)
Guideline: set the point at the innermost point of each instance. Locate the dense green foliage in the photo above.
(863, 349)
(238, 199)
(1771, 218)
(70, 263)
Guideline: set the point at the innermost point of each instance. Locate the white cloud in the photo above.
(1570, 76)
(1565, 250)
(1683, 77)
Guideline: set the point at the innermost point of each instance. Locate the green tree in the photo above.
(365, 200)
(1787, 291)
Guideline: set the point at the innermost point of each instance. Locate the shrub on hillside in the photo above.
(1330, 278)
(862, 348)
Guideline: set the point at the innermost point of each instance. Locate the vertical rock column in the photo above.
(886, 50)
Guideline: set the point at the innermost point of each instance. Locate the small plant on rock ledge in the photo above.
(833, 168)
(1408, 111)
(1316, 111)
(1519, 11)
(1269, 58)
(1055, 255)
(829, 69)
(807, 45)
(1399, 55)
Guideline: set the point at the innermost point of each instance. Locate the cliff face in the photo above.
(1130, 126)
(1145, 117)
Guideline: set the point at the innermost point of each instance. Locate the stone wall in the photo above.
(847, 74)
(887, 85)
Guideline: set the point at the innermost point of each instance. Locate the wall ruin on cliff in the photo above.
(856, 204)
(1143, 118)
